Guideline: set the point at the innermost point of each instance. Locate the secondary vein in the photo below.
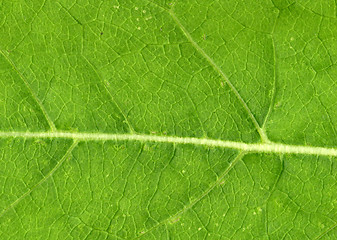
(70, 149)
(37, 100)
(261, 132)
(269, 147)
(198, 199)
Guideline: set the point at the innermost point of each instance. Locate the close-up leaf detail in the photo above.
(168, 119)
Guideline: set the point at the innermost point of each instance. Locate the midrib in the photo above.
(247, 147)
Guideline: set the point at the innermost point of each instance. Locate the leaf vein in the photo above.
(261, 132)
(57, 166)
(37, 100)
(198, 199)
(270, 147)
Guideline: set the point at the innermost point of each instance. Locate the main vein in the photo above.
(247, 147)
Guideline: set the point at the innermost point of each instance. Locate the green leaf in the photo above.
(168, 119)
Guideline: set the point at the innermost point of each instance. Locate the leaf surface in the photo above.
(168, 119)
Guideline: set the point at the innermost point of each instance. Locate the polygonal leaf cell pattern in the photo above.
(168, 119)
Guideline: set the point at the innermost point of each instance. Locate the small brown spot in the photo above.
(101, 33)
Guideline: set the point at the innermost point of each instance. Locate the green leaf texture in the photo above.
(139, 119)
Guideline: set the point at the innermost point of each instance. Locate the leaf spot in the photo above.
(175, 220)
